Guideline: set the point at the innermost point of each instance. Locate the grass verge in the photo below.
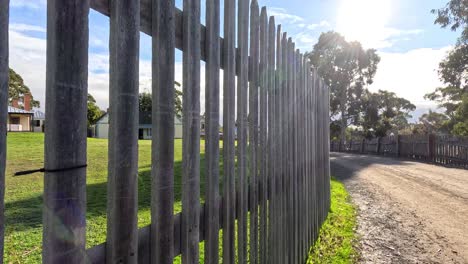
(337, 236)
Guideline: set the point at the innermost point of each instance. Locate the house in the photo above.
(19, 120)
(101, 129)
(20, 115)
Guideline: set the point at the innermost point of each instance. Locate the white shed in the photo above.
(101, 128)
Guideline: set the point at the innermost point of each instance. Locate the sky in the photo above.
(402, 31)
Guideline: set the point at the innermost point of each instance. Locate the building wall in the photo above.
(25, 122)
(178, 131)
(102, 129)
(38, 128)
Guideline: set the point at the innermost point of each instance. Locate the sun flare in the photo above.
(364, 20)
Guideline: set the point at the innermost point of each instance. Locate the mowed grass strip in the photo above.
(24, 205)
(23, 195)
(336, 242)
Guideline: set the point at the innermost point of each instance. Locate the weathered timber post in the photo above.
(212, 197)
(229, 93)
(190, 221)
(162, 149)
(271, 139)
(4, 15)
(122, 185)
(431, 147)
(64, 216)
(242, 90)
(379, 141)
(253, 133)
(397, 148)
(263, 133)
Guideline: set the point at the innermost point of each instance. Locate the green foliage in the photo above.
(383, 112)
(17, 89)
(460, 119)
(433, 122)
(94, 113)
(453, 72)
(455, 16)
(346, 68)
(146, 101)
(337, 236)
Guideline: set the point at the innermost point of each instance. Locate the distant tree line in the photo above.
(347, 68)
(17, 89)
(452, 97)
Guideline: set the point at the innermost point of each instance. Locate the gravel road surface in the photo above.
(408, 212)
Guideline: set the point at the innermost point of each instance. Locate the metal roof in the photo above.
(14, 110)
(38, 115)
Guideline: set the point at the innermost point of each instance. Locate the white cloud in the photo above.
(282, 16)
(304, 41)
(387, 37)
(303, 33)
(28, 58)
(26, 27)
(314, 26)
(410, 74)
(32, 4)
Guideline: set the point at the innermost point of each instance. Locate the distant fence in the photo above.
(276, 183)
(445, 150)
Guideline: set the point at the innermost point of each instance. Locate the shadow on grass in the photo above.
(26, 214)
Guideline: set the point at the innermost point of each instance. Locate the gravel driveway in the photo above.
(408, 212)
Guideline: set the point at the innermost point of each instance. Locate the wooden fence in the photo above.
(445, 150)
(275, 182)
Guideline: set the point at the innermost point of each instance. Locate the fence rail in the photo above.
(444, 150)
(275, 182)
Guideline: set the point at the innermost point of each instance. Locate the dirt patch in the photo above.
(408, 212)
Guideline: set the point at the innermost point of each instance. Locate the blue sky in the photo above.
(402, 31)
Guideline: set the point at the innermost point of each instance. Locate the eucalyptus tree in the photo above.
(347, 68)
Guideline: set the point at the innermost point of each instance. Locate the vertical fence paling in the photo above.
(212, 131)
(190, 221)
(253, 127)
(282, 175)
(162, 174)
(242, 90)
(4, 72)
(122, 231)
(229, 50)
(271, 136)
(263, 132)
(65, 135)
(444, 150)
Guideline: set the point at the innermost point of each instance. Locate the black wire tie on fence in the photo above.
(27, 172)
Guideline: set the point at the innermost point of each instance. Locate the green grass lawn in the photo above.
(23, 200)
(337, 236)
(23, 195)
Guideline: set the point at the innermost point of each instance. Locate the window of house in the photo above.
(148, 132)
(37, 123)
(14, 120)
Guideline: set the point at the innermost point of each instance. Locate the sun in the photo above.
(364, 20)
